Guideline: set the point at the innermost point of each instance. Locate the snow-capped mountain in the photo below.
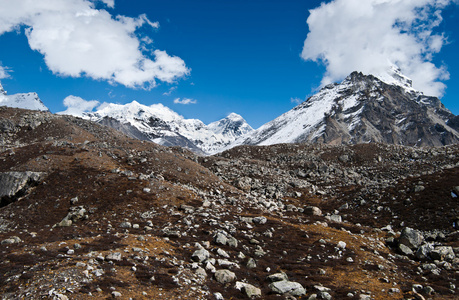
(162, 125)
(26, 100)
(362, 109)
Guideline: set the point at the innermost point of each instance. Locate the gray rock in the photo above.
(248, 289)
(411, 238)
(11, 240)
(335, 218)
(75, 213)
(278, 277)
(210, 267)
(223, 253)
(443, 253)
(251, 263)
(220, 239)
(324, 295)
(218, 296)
(126, 225)
(200, 255)
(116, 294)
(312, 211)
(201, 272)
(260, 220)
(419, 188)
(232, 242)
(172, 233)
(224, 276)
(423, 252)
(283, 287)
(341, 245)
(115, 256)
(14, 183)
(405, 250)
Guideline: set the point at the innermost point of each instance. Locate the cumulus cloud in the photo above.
(372, 36)
(76, 106)
(77, 39)
(185, 101)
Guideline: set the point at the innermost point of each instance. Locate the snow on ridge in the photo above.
(159, 120)
(25, 101)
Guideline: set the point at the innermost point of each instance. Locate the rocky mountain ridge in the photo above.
(160, 124)
(89, 213)
(362, 109)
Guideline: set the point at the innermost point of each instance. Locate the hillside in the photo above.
(89, 213)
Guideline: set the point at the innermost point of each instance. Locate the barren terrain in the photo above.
(88, 213)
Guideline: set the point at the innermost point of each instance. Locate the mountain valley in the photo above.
(89, 213)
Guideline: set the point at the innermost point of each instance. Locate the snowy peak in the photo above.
(362, 109)
(394, 76)
(162, 125)
(233, 125)
(25, 101)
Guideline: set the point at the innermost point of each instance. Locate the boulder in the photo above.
(224, 276)
(248, 289)
(278, 277)
(405, 250)
(11, 240)
(260, 220)
(200, 255)
(312, 211)
(220, 239)
(16, 184)
(443, 253)
(283, 287)
(115, 256)
(411, 238)
(423, 252)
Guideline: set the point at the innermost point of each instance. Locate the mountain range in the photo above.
(360, 109)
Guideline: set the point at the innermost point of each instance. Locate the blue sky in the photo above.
(243, 56)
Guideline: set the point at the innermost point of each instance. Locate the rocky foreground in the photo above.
(87, 213)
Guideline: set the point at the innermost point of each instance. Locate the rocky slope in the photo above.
(362, 109)
(88, 213)
(162, 125)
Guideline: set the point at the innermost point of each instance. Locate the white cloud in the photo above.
(185, 101)
(76, 106)
(109, 3)
(4, 72)
(76, 39)
(372, 35)
(169, 92)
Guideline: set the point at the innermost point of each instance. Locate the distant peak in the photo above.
(234, 116)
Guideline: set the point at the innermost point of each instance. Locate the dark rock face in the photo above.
(15, 184)
(363, 109)
(389, 114)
